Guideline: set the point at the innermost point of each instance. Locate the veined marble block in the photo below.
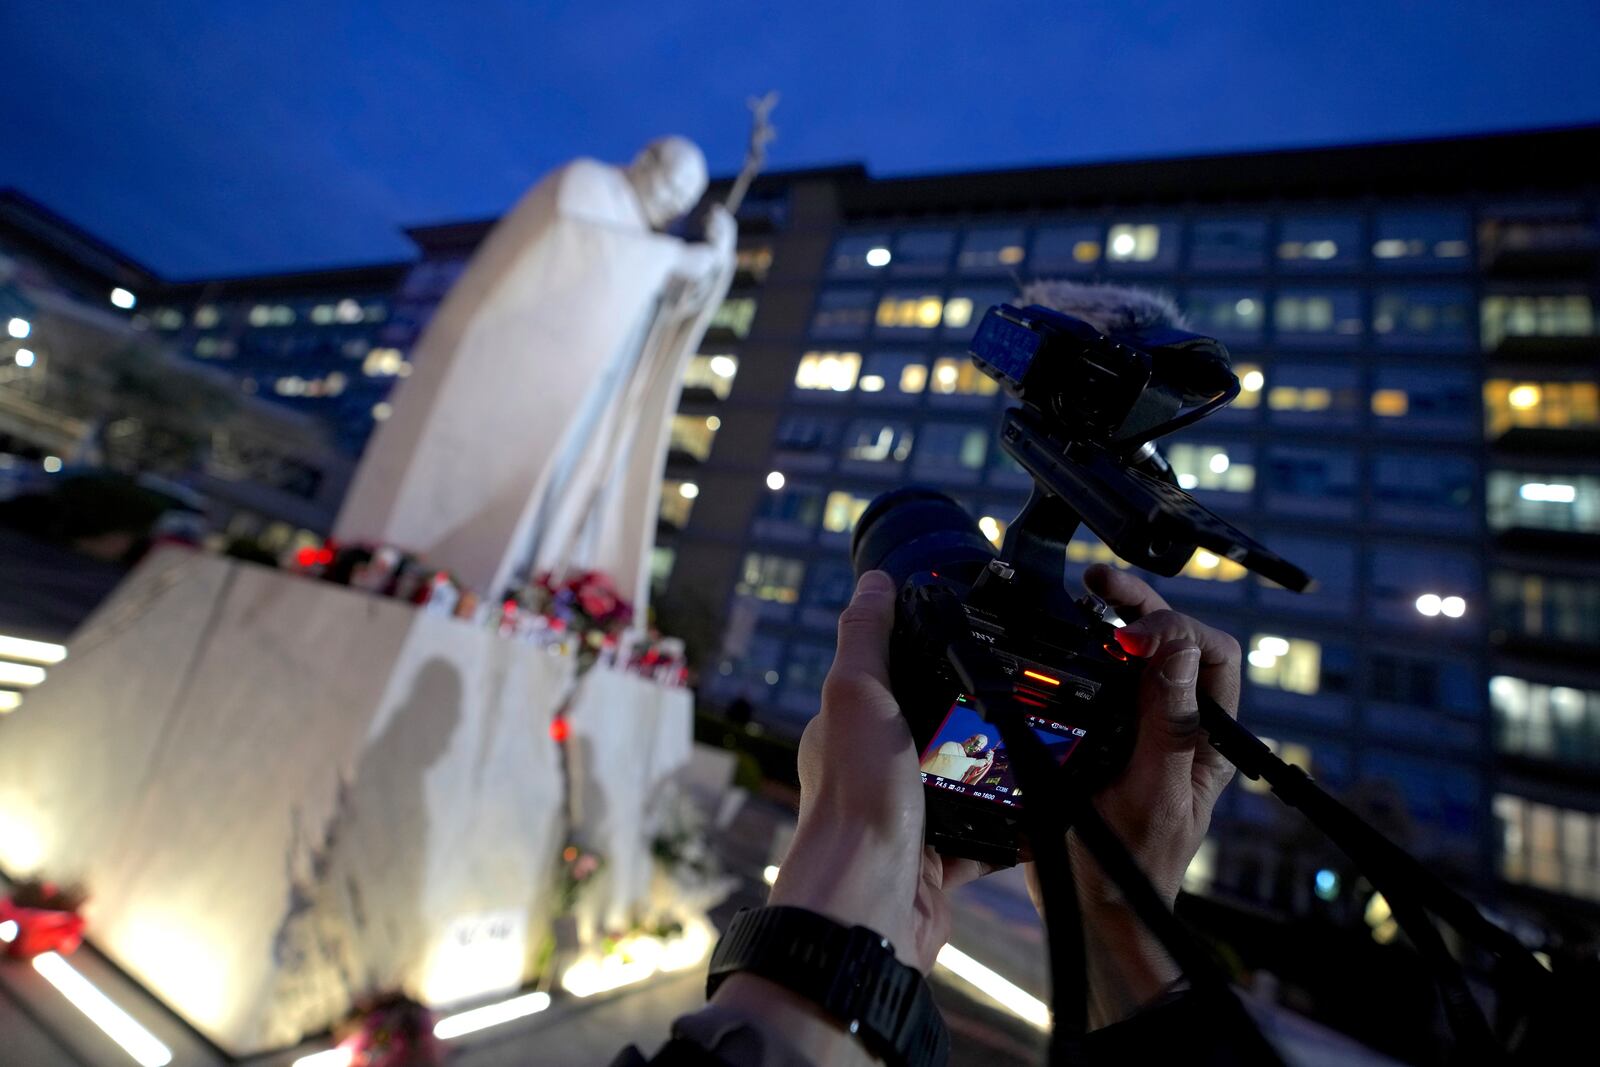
(282, 794)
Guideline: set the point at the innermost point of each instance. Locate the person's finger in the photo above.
(860, 672)
(1128, 594)
(1176, 648)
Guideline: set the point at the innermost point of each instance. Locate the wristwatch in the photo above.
(849, 972)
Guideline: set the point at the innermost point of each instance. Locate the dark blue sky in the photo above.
(217, 136)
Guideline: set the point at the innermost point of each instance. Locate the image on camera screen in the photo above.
(966, 756)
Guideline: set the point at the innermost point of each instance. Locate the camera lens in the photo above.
(915, 529)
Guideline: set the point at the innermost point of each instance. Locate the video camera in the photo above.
(1091, 409)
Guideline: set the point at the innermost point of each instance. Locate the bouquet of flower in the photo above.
(585, 604)
(391, 1030)
(40, 917)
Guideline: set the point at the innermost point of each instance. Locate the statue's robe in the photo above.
(533, 429)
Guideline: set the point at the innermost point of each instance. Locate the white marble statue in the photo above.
(532, 433)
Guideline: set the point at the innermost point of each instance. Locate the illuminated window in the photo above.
(1228, 244)
(1569, 315)
(206, 316)
(1544, 501)
(893, 373)
(860, 254)
(735, 315)
(1291, 398)
(1423, 316)
(878, 442)
(1251, 382)
(842, 510)
(1223, 468)
(754, 261)
(691, 437)
(385, 363)
(271, 315)
(1540, 405)
(911, 311)
(1326, 242)
(965, 309)
(1546, 606)
(1410, 240)
(1066, 249)
(167, 318)
(1330, 393)
(842, 314)
(766, 577)
(922, 252)
(1207, 566)
(991, 251)
(834, 371)
(956, 375)
(1133, 243)
(1231, 314)
(1546, 721)
(1323, 317)
(1390, 403)
(1287, 663)
(713, 374)
(1549, 847)
(677, 500)
(994, 529)
(1290, 752)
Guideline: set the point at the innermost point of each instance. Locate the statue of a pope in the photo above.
(532, 432)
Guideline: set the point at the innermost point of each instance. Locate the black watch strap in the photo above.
(849, 972)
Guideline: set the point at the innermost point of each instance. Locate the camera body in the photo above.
(969, 618)
(1073, 682)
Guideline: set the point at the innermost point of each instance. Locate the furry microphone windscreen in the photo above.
(1114, 310)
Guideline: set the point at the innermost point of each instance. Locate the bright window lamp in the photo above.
(1133, 242)
(1290, 664)
(1206, 466)
(901, 311)
(842, 510)
(712, 373)
(1508, 404)
(956, 375)
(835, 371)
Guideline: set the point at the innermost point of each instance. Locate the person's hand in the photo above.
(858, 854)
(1160, 806)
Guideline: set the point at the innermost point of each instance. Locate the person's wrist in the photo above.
(843, 873)
(1127, 966)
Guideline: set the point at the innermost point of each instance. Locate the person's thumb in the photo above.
(1169, 719)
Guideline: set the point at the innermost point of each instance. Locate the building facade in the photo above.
(1414, 327)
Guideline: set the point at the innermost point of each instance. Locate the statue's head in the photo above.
(670, 177)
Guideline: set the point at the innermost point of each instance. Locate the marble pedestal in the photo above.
(283, 794)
